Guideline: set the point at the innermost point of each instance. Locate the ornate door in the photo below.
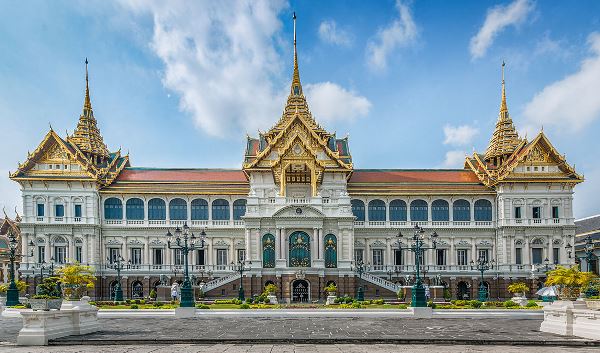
(268, 251)
(300, 291)
(299, 249)
(330, 251)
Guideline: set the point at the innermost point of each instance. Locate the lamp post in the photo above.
(360, 268)
(117, 263)
(547, 267)
(482, 264)
(588, 257)
(185, 243)
(418, 247)
(12, 294)
(240, 267)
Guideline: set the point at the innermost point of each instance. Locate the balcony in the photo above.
(536, 222)
(433, 224)
(61, 220)
(175, 223)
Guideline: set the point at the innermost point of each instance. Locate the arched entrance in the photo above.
(137, 290)
(300, 291)
(299, 249)
(463, 292)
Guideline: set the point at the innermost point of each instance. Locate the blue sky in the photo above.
(415, 84)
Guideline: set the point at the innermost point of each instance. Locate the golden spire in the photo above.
(296, 88)
(87, 135)
(505, 138)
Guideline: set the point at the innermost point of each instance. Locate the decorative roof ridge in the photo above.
(184, 169)
(411, 170)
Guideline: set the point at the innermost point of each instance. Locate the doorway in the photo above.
(300, 291)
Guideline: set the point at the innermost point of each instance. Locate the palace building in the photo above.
(298, 213)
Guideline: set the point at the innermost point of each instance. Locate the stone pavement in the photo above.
(295, 348)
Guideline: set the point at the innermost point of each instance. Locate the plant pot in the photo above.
(45, 304)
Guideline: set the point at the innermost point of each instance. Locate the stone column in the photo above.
(48, 250)
(232, 253)
(473, 250)
(321, 245)
(248, 246)
(256, 245)
(85, 257)
(388, 255)
(147, 260)
(527, 253)
(452, 255)
(277, 243)
(209, 252)
(314, 246)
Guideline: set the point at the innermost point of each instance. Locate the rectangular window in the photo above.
(555, 212)
(114, 254)
(79, 254)
(136, 256)
(200, 258)
(556, 255)
(60, 254)
(157, 254)
(178, 256)
(461, 254)
(59, 210)
(222, 257)
(536, 256)
(40, 210)
(518, 212)
(41, 253)
(358, 255)
(78, 211)
(483, 254)
(377, 257)
(241, 255)
(397, 257)
(441, 257)
(537, 212)
(519, 256)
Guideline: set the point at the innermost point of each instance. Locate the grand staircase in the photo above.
(380, 282)
(217, 282)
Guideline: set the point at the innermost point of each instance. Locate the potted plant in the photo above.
(76, 280)
(331, 289)
(569, 281)
(269, 293)
(519, 290)
(152, 294)
(48, 296)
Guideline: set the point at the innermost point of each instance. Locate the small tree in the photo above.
(153, 294)
(49, 289)
(569, 280)
(21, 286)
(518, 287)
(76, 280)
(270, 289)
(331, 288)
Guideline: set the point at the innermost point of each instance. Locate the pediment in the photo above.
(298, 212)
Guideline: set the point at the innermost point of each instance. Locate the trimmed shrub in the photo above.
(475, 304)
(336, 301)
(134, 306)
(531, 304)
(202, 306)
(510, 304)
(348, 300)
(402, 306)
(248, 300)
(245, 306)
(267, 301)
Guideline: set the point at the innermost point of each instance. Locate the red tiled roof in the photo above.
(181, 175)
(412, 176)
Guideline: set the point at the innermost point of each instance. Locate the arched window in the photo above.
(330, 251)
(461, 211)
(137, 290)
(376, 210)
(440, 211)
(358, 210)
(398, 211)
(157, 209)
(220, 209)
(134, 209)
(199, 210)
(268, 242)
(239, 209)
(113, 208)
(483, 210)
(178, 210)
(418, 210)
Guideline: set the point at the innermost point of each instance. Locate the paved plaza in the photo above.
(306, 330)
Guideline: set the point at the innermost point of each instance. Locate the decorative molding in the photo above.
(113, 242)
(378, 244)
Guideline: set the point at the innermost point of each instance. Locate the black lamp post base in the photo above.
(418, 297)
(187, 297)
(483, 294)
(360, 295)
(12, 297)
(241, 295)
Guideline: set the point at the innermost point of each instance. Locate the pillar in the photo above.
(321, 245)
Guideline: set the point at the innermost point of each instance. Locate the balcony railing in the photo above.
(535, 221)
(396, 224)
(176, 223)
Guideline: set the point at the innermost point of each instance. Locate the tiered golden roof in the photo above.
(87, 135)
(505, 139)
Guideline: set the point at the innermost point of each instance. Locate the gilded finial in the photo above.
(49, 123)
(503, 107)
(87, 104)
(296, 85)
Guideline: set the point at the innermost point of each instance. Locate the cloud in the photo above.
(459, 135)
(496, 20)
(330, 33)
(454, 159)
(330, 102)
(571, 103)
(221, 59)
(400, 33)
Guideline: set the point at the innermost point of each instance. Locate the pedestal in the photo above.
(272, 299)
(421, 312)
(330, 300)
(185, 312)
(558, 317)
(522, 301)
